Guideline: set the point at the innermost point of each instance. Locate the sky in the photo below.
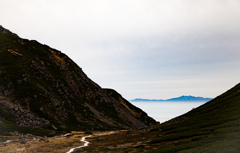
(153, 49)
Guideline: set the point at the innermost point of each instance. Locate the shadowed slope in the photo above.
(40, 87)
(212, 127)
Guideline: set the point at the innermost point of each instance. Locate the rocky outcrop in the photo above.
(22, 116)
(41, 87)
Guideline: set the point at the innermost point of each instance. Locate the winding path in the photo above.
(86, 142)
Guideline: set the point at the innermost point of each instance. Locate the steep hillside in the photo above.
(212, 127)
(40, 87)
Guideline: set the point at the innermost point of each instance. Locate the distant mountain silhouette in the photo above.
(181, 98)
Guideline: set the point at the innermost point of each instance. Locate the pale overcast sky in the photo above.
(141, 48)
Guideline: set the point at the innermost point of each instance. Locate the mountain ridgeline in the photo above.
(42, 88)
(214, 127)
(177, 99)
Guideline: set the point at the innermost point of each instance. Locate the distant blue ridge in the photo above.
(181, 98)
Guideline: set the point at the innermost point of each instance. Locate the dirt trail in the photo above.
(55, 145)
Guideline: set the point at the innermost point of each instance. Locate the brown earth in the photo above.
(58, 144)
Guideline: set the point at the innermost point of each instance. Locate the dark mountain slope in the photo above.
(41, 87)
(212, 127)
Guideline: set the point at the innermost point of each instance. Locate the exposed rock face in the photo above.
(41, 87)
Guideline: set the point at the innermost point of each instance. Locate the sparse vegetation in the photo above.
(213, 127)
(41, 88)
(38, 85)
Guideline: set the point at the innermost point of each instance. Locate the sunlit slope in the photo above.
(213, 127)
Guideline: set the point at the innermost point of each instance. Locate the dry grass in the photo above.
(55, 144)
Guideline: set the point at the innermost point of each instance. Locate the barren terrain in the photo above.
(56, 144)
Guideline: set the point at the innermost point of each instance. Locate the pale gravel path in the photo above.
(86, 142)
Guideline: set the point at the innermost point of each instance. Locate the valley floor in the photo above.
(56, 144)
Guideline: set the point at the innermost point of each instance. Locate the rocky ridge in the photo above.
(40, 87)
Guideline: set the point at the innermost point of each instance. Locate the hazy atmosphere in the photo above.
(141, 48)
